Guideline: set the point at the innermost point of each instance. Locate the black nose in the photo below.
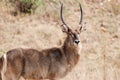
(77, 41)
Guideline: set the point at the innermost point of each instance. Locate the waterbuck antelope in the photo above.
(49, 64)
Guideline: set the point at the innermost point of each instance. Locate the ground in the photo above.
(100, 56)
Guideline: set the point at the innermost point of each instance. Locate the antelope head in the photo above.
(72, 34)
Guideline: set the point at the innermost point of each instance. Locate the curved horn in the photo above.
(61, 11)
(81, 12)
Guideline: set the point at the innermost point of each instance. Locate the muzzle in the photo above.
(77, 41)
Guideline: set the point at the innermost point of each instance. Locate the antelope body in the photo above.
(49, 64)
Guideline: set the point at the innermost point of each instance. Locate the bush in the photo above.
(25, 6)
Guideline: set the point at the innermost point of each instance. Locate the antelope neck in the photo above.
(71, 51)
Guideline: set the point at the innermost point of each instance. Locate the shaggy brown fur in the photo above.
(46, 64)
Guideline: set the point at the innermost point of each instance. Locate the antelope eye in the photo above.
(72, 35)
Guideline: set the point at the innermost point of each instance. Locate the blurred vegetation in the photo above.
(50, 9)
(115, 9)
(3, 52)
(26, 1)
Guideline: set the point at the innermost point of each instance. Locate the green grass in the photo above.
(26, 1)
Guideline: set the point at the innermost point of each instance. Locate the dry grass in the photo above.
(100, 57)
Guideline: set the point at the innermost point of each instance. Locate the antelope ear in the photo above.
(65, 29)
